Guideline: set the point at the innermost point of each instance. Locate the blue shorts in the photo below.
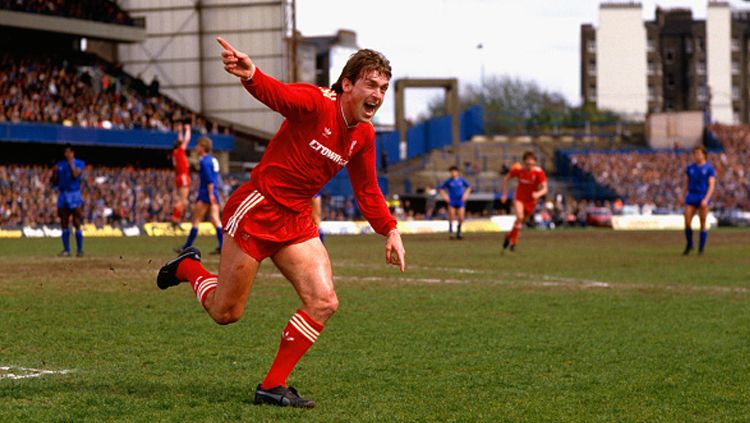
(694, 200)
(457, 203)
(203, 196)
(69, 200)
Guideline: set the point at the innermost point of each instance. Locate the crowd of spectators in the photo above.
(656, 179)
(106, 11)
(112, 195)
(88, 93)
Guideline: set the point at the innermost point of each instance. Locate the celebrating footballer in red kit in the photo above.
(532, 185)
(324, 131)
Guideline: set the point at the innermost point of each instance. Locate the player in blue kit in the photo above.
(67, 179)
(701, 181)
(208, 200)
(455, 191)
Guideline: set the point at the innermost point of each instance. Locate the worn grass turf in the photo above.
(575, 326)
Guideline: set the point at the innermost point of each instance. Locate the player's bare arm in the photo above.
(236, 62)
(711, 186)
(185, 137)
(466, 194)
(541, 192)
(444, 194)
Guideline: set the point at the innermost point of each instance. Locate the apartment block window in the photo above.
(669, 56)
(735, 44)
(670, 80)
(651, 67)
(702, 93)
(651, 93)
(688, 46)
(701, 67)
(591, 46)
(700, 46)
(735, 68)
(736, 93)
(651, 45)
(592, 67)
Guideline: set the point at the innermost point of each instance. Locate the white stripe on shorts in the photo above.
(248, 203)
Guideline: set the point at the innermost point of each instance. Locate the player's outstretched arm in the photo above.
(291, 100)
(186, 136)
(395, 253)
(236, 62)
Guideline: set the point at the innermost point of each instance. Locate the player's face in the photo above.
(69, 154)
(454, 173)
(363, 98)
(529, 163)
(698, 156)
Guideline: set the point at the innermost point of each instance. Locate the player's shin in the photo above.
(220, 236)
(298, 336)
(66, 239)
(79, 240)
(191, 237)
(689, 237)
(703, 238)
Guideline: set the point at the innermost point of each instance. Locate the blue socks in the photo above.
(702, 245)
(220, 236)
(191, 237)
(66, 239)
(689, 237)
(79, 240)
(321, 235)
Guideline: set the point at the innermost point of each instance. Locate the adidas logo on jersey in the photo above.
(328, 93)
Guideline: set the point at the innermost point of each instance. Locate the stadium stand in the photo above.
(94, 10)
(655, 178)
(82, 90)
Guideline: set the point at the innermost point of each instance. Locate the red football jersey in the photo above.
(180, 161)
(312, 146)
(528, 181)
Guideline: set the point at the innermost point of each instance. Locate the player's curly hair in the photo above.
(364, 60)
(528, 154)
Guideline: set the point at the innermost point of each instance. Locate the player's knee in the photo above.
(227, 317)
(326, 306)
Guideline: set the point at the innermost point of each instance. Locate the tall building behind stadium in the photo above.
(671, 63)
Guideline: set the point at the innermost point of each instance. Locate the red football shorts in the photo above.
(182, 180)
(261, 227)
(528, 207)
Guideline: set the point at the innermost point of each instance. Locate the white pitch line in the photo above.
(29, 373)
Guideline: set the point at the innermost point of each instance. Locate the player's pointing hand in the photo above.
(394, 250)
(236, 62)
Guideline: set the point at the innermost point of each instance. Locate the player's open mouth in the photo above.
(370, 108)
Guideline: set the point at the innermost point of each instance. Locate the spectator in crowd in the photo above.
(654, 179)
(95, 10)
(52, 89)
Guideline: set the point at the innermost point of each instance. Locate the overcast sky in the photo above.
(532, 39)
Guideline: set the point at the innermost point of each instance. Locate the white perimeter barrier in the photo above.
(657, 222)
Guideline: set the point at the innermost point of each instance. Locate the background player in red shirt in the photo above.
(532, 185)
(182, 172)
(269, 216)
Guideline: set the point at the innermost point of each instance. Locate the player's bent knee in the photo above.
(228, 317)
(325, 307)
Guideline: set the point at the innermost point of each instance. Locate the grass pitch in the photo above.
(580, 325)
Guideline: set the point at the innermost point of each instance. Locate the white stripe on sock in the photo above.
(304, 332)
(304, 323)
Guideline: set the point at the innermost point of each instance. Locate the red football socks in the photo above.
(513, 235)
(200, 279)
(298, 336)
(176, 214)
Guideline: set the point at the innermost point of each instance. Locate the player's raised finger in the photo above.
(401, 260)
(226, 45)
